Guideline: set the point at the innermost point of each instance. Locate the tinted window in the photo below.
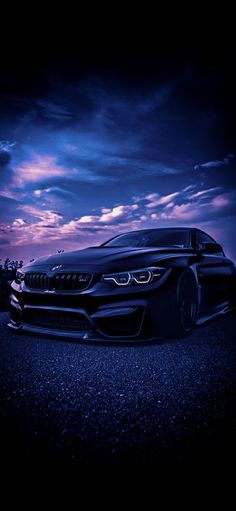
(203, 238)
(179, 238)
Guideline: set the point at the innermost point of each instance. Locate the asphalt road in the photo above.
(70, 403)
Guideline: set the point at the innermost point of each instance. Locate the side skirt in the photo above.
(220, 310)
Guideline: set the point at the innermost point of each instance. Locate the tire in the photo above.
(182, 313)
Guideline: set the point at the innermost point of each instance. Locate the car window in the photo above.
(203, 238)
(178, 238)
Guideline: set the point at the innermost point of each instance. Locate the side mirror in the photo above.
(211, 248)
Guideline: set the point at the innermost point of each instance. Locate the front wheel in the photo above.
(182, 308)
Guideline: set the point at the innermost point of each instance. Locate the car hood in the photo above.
(99, 259)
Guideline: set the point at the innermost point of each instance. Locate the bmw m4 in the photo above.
(138, 285)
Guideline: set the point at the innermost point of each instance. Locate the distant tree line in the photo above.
(8, 271)
(11, 264)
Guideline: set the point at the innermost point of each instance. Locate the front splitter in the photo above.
(93, 336)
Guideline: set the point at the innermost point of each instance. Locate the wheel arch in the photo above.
(176, 275)
(179, 269)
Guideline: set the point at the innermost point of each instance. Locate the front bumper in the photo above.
(115, 323)
(100, 313)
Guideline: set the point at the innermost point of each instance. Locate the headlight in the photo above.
(20, 275)
(134, 277)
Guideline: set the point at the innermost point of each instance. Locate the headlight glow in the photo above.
(120, 279)
(143, 276)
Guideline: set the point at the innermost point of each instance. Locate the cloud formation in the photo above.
(36, 170)
(43, 226)
(215, 163)
(156, 200)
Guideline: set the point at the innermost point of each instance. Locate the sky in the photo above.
(96, 145)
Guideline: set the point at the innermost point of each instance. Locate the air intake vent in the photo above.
(54, 319)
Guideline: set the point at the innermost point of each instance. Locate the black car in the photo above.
(138, 285)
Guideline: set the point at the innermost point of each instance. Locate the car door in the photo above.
(214, 274)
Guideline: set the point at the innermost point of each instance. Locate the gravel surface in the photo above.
(75, 403)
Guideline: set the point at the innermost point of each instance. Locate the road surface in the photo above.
(72, 403)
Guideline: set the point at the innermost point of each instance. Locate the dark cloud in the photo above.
(5, 153)
(53, 110)
(5, 159)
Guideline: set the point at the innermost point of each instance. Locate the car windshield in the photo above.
(179, 238)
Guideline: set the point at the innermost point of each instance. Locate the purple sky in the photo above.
(87, 152)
